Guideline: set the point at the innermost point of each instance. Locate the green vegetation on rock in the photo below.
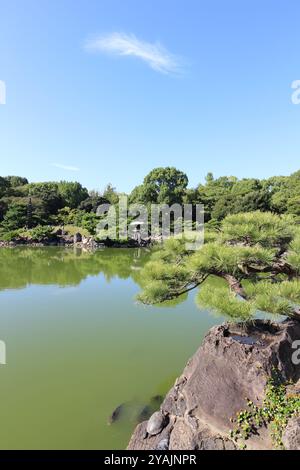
(277, 408)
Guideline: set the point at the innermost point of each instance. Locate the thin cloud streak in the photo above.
(121, 44)
(65, 167)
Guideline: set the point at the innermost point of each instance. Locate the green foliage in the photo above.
(38, 233)
(9, 236)
(72, 193)
(161, 186)
(80, 218)
(92, 203)
(222, 301)
(3, 209)
(277, 298)
(218, 257)
(210, 193)
(277, 408)
(66, 216)
(110, 194)
(233, 204)
(73, 229)
(4, 185)
(209, 178)
(15, 217)
(293, 254)
(267, 229)
(155, 290)
(57, 195)
(16, 181)
(166, 275)
(285, 193)
(88, 221)
(293, 205)
(228, 195)
(49, 196)
(221, 197)
(250, 252)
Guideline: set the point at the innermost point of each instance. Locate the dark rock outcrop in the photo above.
(77, 238)
(232, 365)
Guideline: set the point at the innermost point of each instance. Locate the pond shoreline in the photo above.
(63, 308)
(235, 361)
(89, 244)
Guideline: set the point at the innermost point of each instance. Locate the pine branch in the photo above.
(235, 285)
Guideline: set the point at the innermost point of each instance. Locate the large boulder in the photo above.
(291, 435)
(232, 365)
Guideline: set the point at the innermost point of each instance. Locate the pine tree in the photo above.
(254, 256)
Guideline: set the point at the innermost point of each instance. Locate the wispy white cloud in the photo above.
(154, 54)
(66, 167)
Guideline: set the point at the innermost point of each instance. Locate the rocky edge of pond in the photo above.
(233, 364)
(61, 238)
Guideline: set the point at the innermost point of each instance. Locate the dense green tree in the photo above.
(110, 194)
(15, 181)
(66, 216)
(72, 193)
(29, 218)
(293, 205)
(256, 257)
(89, 221)
(15, 217)
(245, 195)
(211, 192)
(282, 190)
(92, 203)
(80, 218)
(139, 195)
(4, 185)
(3, 209)
(48, 193)
(161, 186)
(209, 178)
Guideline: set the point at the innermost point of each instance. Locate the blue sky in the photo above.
(105, 90)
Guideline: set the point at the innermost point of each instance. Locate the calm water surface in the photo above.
(78, 345)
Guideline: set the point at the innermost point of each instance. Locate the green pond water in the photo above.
(78, 345)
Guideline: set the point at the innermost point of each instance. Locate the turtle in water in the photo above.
(144, 413)
(116, 414)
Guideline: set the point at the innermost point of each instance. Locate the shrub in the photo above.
(39, 233)
(9, 236)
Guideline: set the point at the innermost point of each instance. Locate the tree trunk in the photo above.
(235, 285)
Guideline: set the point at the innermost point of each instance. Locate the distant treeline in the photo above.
(27, 205)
